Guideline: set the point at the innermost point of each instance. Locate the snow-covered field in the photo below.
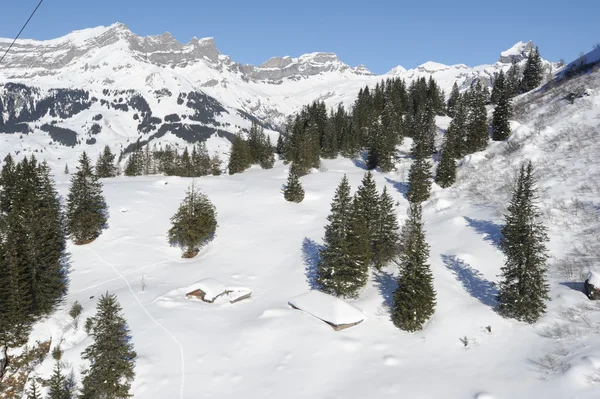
(262, 348)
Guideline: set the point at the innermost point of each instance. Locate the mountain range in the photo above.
(107, 85)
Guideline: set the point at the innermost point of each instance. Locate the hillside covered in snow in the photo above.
(106, 85)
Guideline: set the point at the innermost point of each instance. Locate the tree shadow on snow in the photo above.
(472, 280)
(386, 284)
(310, 255)
(361, 162)
(401, 187)
(576, 286)
(490, 230)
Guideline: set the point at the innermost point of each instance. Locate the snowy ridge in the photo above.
(106, 61)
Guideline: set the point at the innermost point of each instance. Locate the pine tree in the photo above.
(47, 248)
(533, 72)
(134, 165)
(512, 79)
(57, 383)
(386, 235)
(111, 355)
(456, 135)
(280, 148)
(523, 290)
(338, 274)
(194, 224)
(366, 210)
(34, 391)
(86, 208)
(453, 100)
(502, 113)
(239, 158)
(445, 174)
(293, 191)
(215, 165)
(66, 169)
(185, 167)
(415, 297)
(105, 167)
(419, 181)
(477, 128)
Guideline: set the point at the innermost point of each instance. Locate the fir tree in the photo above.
(194, 224)
(512, 80)
(280, 148)
(57, 383)
(293, 191)
(239, 158)
(215, 165)
(185, 167)
(34, 391)
(415, 297)
(523, 290)
(111, 355)
(360, 237)
(533, 72)
(477, 128)
(386, 236)
(453, 100)
(66, 169)
(445, 174)
(419, 181)
(366, 210)
(503, 111)
(105, 167)
(134, 165)
(456, 135)
(86, 208)
(338, 274)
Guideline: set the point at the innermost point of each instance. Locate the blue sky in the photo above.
(379, 34)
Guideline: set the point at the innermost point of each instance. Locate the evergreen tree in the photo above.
(513, 79)
(456, 135)
(47, 247)
(386, 236)
(415, 297)
(445, 174)
(194, 224)
(239, 158)
(66, 169)
(503, 111)
(477, 128)
(86, 208)
(34, 391)
(523, 290)
(293, 191)
(57, 383)
(134, 165)
(453, 100)
(498, 86)
(419, 181)
(533, 72)
(185, 167)
(338, 274)
(111, 355)
(366, 211)
(105, 167)
(280, 148)
(359, 238)
(215, 165)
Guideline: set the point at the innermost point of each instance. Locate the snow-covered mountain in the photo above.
(106, 85)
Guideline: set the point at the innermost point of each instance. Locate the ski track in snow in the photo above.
(181, 389)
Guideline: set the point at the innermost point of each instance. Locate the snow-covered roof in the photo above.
(211, 287)
(594, 279)
(328, 308)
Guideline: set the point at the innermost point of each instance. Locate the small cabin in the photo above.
(335, 312)
(592, 286)
(208, 290)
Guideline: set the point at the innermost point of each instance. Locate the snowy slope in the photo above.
(262, 348)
